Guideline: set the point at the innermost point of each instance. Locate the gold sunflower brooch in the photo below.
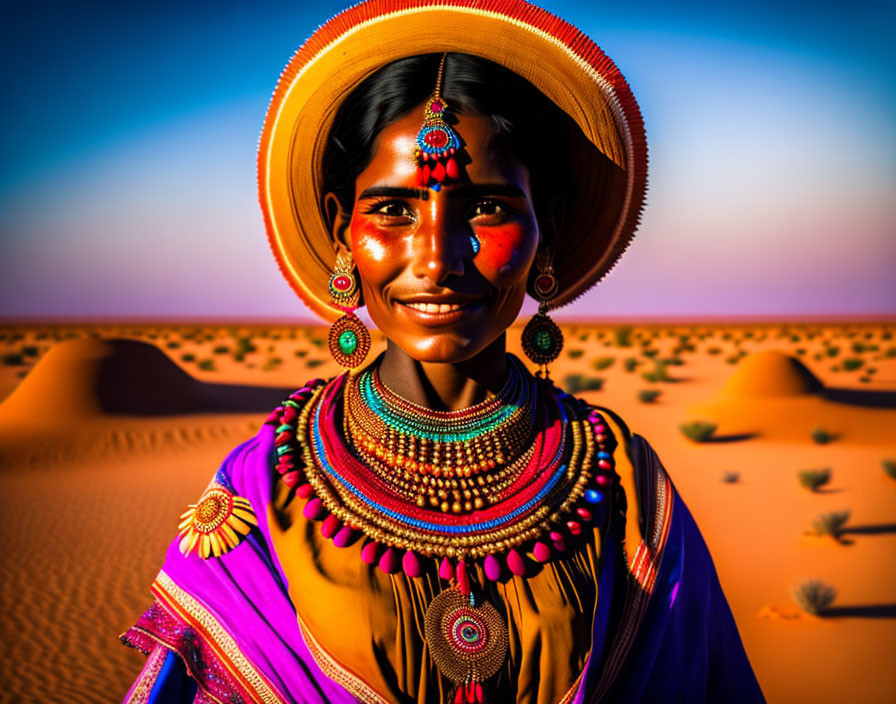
(216, 523)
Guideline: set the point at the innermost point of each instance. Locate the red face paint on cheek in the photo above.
(504, 250)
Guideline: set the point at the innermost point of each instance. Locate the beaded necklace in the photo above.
(551, 493)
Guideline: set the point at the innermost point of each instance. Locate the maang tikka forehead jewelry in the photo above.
(438, 144)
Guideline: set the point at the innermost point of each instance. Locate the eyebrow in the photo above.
(478, 190)
(394, 192)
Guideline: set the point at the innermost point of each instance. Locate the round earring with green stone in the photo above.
(542, 338)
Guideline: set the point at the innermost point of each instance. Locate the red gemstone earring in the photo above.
(349, 339)
(542, 338)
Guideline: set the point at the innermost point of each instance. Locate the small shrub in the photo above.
(734, 359)
(312, 363)
(648, 395)
(814, 596)
(602, 363)
(271, 364)
(658, 373)
(244, 346)
(814, 479)
(30, 351)
(188, 357)
(698, 430)
(731, 477)
(714, 350)
(221, 349)
(317, 341)
(889, 467)
(830, 523)
(673, 361)
(206, 365)
(629, 364)
(575, 353)
(623, 335)
(850, 364)
(890, 353)
(649, 352)
(832, 351)
(301, 353)
(820, 436)
(173, 345)
(574, 383)
(13, 359)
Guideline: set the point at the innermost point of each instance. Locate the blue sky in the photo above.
(130, 131)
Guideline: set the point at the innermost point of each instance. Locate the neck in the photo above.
(445, 386)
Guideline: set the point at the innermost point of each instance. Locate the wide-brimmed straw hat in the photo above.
(607, 169)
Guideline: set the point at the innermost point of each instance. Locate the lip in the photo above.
(439, 310)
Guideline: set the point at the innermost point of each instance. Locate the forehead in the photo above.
(490, 158)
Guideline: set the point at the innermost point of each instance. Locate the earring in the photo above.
(542, 338)
(349, 339)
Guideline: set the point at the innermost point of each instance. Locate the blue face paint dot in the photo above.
(436, 186)
(474, 241)
(592, 496)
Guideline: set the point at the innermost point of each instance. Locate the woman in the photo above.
(440, 525)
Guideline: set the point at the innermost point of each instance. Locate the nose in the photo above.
(441, 242)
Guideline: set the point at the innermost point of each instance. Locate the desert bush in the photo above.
(602, 363)
(271, 363)
(889, 467)
(12, 359)
(832, 351)
(814, 479)
(648, 395)
(672, 361)
(852, 363)
(890, 352)
(575, 353)
(830, 523)
(731, 477)
(698, 430)
(658, 373)
(173, 345)
(629, 364)
(317, 341)
(188, 357)
(801, 351)
(871, 370)
(623, 335)
(714, 350)
(301, 353)
(30, 351)
(814, 596)
(221, 349)
(734, 359)
(244, 346)
(574, 383)
(312, 363)
(820, 436)
(206, 365)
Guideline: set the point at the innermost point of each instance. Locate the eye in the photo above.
(392, 210)
(487, 209)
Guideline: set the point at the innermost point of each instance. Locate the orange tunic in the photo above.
(367, 626)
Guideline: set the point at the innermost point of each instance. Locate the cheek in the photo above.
(505, 251)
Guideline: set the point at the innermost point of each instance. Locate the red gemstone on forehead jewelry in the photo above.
(435, 106)
(342, 283)
(436, 138)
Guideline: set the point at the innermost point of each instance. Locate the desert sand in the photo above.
(107, 432)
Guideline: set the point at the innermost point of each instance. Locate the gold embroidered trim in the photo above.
(340, 675)
(643, 572)
(217, 637)
(142, 688)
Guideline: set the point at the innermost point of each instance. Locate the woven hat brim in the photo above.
(608, 166)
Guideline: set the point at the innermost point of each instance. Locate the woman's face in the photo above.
(443, 272)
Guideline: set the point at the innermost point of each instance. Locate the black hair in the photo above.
(531, 124)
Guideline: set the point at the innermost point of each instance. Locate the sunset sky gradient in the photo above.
(129, 137)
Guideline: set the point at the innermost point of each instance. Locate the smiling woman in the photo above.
(442, 525)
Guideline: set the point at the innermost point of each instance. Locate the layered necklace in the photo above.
(512, 481)
(454, 462)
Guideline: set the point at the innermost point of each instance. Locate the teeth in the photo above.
(435, 307)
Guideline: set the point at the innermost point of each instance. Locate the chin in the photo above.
(444, 348)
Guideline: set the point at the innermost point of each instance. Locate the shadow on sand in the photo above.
(859, 397)
(867, 611)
